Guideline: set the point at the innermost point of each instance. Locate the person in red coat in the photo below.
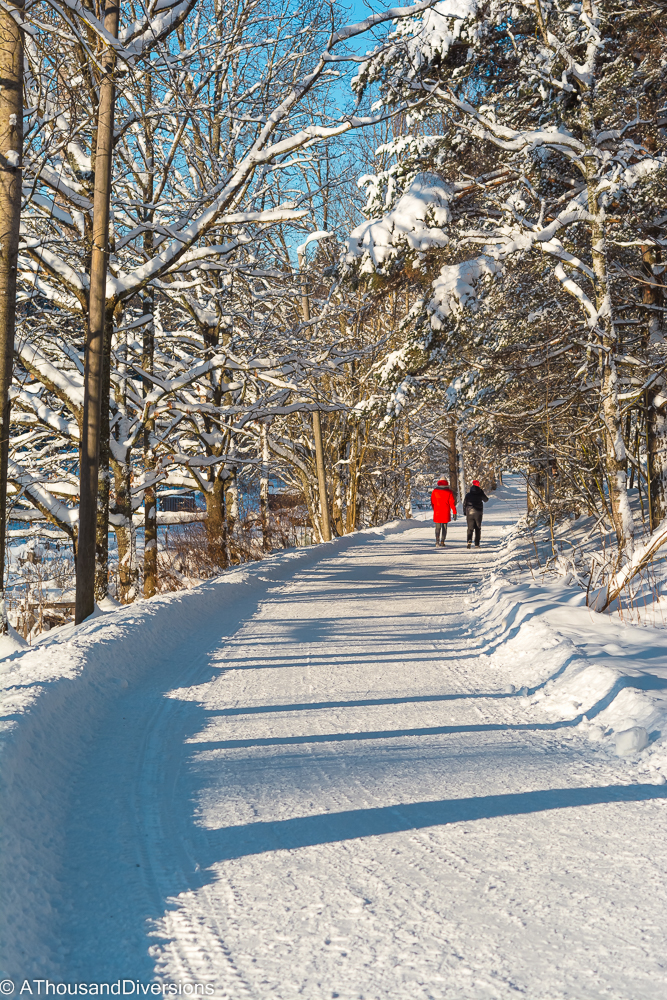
(443, 503)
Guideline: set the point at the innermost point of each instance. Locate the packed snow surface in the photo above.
(368, 769)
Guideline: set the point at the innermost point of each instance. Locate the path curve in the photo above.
(338, 801)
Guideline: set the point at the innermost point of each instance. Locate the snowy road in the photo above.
(336, 800)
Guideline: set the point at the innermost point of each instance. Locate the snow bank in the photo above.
(575, 668)
(631, 741)
(51, 698)
(9, 644)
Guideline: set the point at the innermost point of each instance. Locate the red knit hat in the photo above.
(443, 482)
(475, 482)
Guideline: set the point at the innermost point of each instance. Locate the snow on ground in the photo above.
(370, 769)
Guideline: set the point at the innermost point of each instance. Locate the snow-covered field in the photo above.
(369, 769)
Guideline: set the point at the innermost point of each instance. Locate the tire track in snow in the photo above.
(197, 951)
(466, 911)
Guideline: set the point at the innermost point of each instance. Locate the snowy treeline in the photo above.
(500, 306)
(525, 203)
(219, 355)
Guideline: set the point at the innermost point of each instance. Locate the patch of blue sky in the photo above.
(340, 102)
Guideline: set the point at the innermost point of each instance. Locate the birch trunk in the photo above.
(147, 360)
(264, 488)
(463, 489)
(313, 504)
(11, 148)
(337, 502)
(232, 496)
(656, 453)
(452, 458)
(408, 481)
(615, 454)
(150, 496)
(656, 457)
(125, 534)
(351, 500)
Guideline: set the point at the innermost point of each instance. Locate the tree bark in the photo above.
(452, 457)
(94, 361)
(321, 477)
(337, 502)
(461, 465)
(216, 524)
(150, 495)
(103, 474)
(325, 523)
(615, 454)
(264, 488)
(11, 149)
(125, 535)
(656, 457)
(408, 482)
(147, 361)
(232, 494)
(656, 418)
(352, 480)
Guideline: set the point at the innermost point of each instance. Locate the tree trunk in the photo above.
(103, 474)
(150, 496)
(408, 482)
(125, 535)
(325, 529)
(264, 488)
(656, 457)
(147, 360)
(656, 452)
(11, 148)
(94, 363)
(351, 501)
(452, 457)
(463, 489)
(325, 525)
(215, 524)
(232, 497)
(337, 502)
(615, 455)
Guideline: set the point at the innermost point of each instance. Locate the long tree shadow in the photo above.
(647, 682)
(359, 703)
(331, 828)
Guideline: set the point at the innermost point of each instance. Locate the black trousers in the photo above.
(440, 529)
(474, 519)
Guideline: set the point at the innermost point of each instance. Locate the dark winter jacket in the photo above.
(443, 504)
(474, 499)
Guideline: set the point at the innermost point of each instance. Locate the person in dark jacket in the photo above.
(473, 508)
(443, 503)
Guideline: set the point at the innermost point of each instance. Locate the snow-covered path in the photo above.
(335, 800)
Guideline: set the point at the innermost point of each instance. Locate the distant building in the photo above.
(177, 504)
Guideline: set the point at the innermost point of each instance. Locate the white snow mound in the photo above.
(631, 741)
(11, 643)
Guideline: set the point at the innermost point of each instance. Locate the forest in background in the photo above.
(485, 185)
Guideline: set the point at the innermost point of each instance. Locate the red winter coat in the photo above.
(443, 504)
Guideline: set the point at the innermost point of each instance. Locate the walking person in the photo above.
(473, 508)
(443, 503)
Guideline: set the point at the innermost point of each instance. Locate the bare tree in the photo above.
(11, 147)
